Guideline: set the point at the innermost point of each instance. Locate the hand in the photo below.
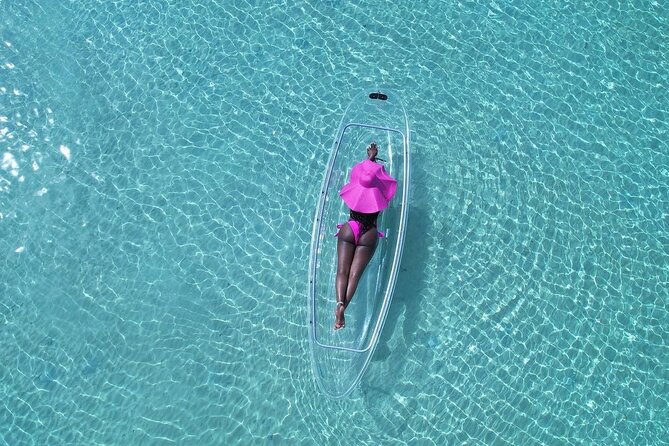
(372, 151)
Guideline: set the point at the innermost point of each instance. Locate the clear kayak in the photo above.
(340, 358)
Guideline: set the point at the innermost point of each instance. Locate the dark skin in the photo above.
(352, 260)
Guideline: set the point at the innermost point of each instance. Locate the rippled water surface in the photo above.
(161, 163)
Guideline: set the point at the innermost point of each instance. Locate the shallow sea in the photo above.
(160, 167)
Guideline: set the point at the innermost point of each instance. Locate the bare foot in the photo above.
(340, 322)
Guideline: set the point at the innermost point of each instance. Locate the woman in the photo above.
(368, 193)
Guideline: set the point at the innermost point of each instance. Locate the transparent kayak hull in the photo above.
(340, 358)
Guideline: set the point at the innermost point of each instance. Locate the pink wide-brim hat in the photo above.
(370, 189)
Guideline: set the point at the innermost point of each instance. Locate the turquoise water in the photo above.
(160, 167)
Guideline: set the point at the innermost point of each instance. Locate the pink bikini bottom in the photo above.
(356, 227)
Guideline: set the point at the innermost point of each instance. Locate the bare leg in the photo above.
(345, 251)
(363, 254)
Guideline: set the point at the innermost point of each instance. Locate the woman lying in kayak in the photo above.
(368, 193)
